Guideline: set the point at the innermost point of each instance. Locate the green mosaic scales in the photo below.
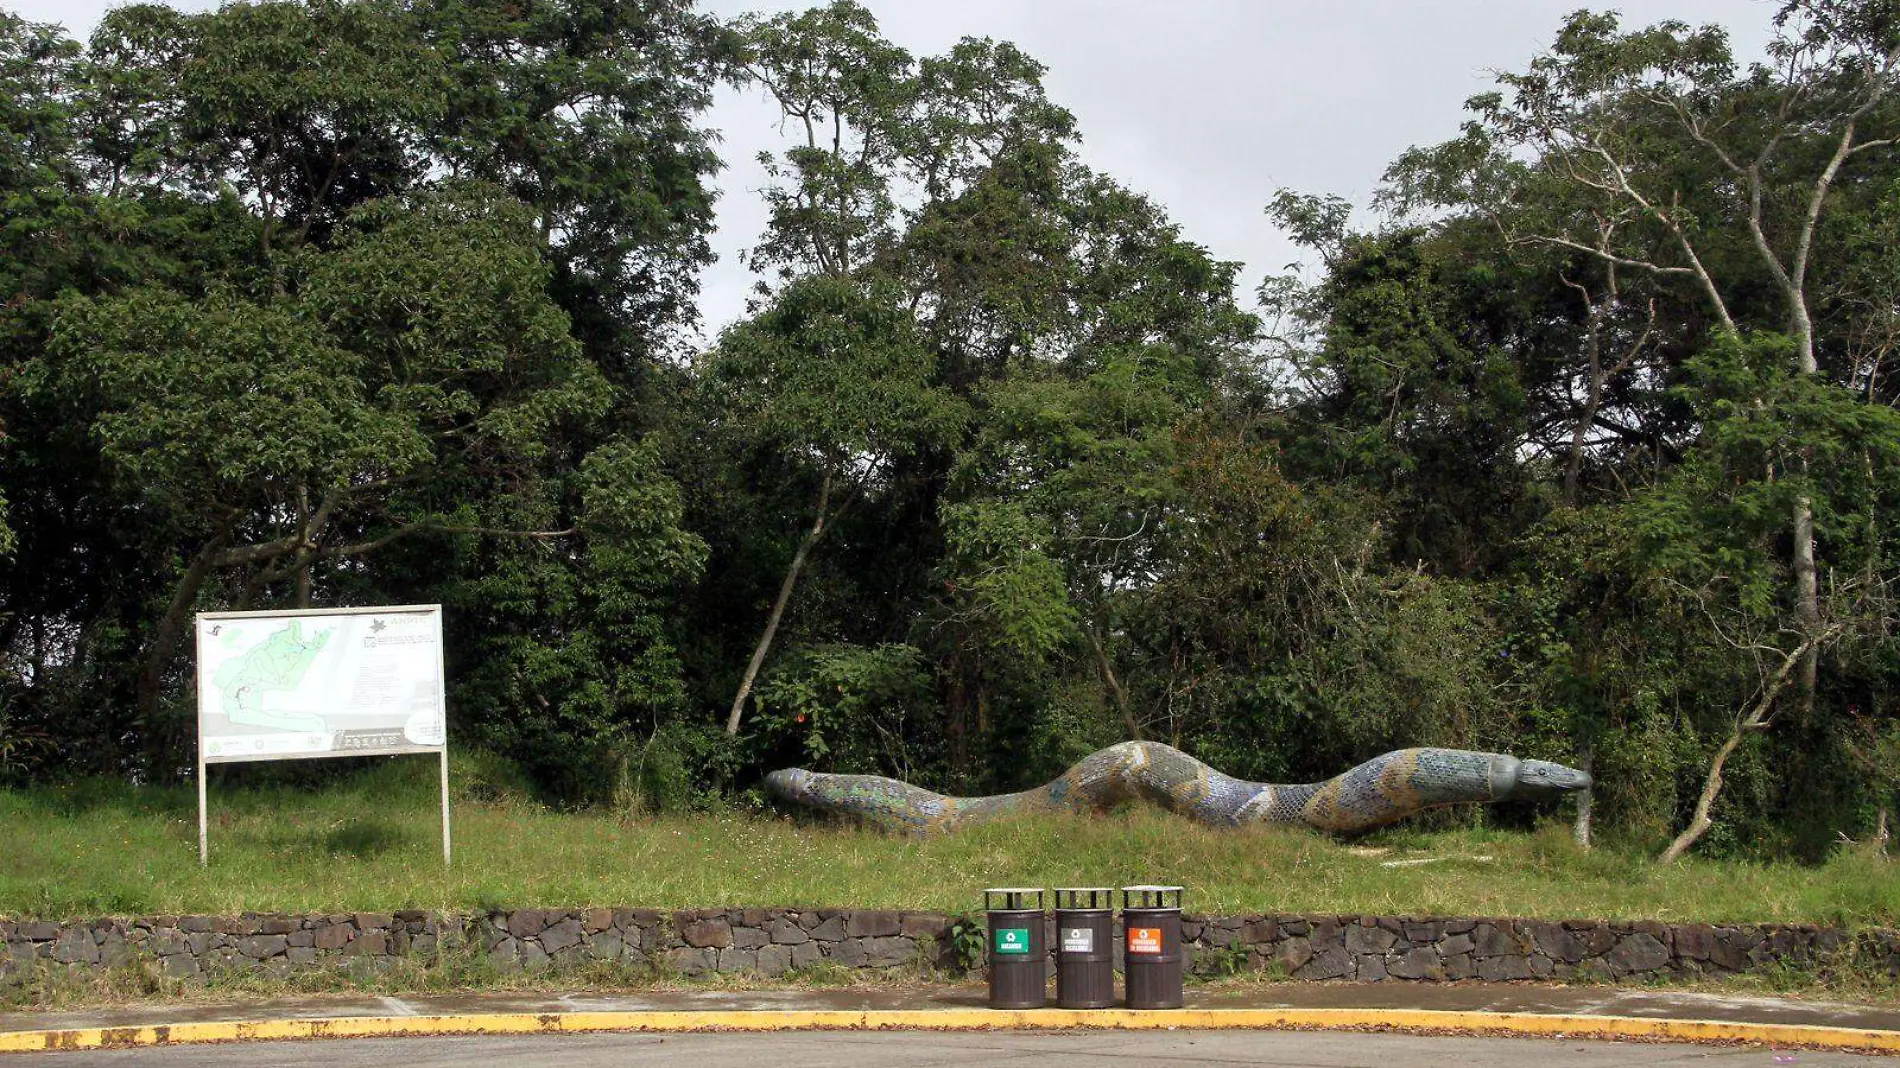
(1386, 788)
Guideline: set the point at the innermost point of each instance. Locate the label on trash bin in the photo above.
(1012, 940)
(1144, 940)
(1078, 940)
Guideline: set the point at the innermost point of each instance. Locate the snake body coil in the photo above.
(1386, 788)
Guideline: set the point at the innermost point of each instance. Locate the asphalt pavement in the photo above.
(1199, 1049)
(1524, 1026)
(1447, 997)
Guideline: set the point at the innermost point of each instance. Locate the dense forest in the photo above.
(1586, 450)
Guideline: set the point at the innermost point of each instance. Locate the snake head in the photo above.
(789, 784)
(1541, 778)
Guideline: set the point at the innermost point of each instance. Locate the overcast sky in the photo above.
(1207, 106)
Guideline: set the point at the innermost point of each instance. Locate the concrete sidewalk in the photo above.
(1482, 1008)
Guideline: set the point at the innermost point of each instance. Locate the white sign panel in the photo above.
(320, 683)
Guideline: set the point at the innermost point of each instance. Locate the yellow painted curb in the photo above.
(1485, 1023)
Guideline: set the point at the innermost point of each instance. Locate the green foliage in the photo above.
(1235, 958)
(323, 314)
(287, 99)
(1771, 435)
(586, 111)
(201, 401)
(852, 709)
(575, 668)
(323, 302)
(1418, 397)
(1016, 595)
(970, 937)
(830, 71)
(23, 747)
(834, 370)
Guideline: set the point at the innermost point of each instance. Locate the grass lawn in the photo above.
(371, 842)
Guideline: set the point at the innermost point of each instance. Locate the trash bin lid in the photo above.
(1150, 896)
(1085, 898)
(1014, 898)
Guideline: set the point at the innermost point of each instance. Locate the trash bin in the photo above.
(1151, 915)
(1085, 947)
(1019, 959)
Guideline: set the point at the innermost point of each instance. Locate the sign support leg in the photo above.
(204, 852)
(447, 860)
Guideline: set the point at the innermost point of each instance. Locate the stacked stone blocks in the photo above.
(774, 942)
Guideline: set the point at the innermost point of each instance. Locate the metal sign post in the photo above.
(204, 847)
(441, 675)
(447, 857)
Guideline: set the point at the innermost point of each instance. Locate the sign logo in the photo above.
(1012, 940)
(1144, 940)
(1078, 940)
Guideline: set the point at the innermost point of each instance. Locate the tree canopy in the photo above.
(1580, 444)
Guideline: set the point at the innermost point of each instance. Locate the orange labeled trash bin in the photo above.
(1151, 918)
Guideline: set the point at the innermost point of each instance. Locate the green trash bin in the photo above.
(1019, 959)
(1151, 918)
(1085, 947)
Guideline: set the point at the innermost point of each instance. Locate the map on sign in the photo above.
(321, 683)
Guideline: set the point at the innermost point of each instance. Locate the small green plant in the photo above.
(1223, 962)
(22, 747)
(825, 973)
(1784, 975)
(926, 956)
(969, 937)
(1589, 973)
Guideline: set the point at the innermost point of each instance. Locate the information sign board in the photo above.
(288, 685)
(327, 682)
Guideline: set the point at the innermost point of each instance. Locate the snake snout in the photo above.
(1541, 778)
(789, 784)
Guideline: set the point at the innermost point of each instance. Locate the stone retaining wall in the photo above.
(773, 942)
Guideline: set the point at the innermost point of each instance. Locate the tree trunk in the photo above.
(778, 607)
(1700, 823)
(39, 648)
(1115, 687)
(165, 644)
(957, 722)
(1599, 375)
(309, 527)
(1593, 392)
(1755, 719)
(1580, 830)
(303, 579)
(1807, 602)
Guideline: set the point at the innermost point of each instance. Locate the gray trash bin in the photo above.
(1019, 958)
(1085, 947)
(1151, 916)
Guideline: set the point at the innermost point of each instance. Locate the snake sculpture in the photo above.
(1386, 788)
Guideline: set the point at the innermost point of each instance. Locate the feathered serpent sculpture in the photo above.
(1386, 788)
